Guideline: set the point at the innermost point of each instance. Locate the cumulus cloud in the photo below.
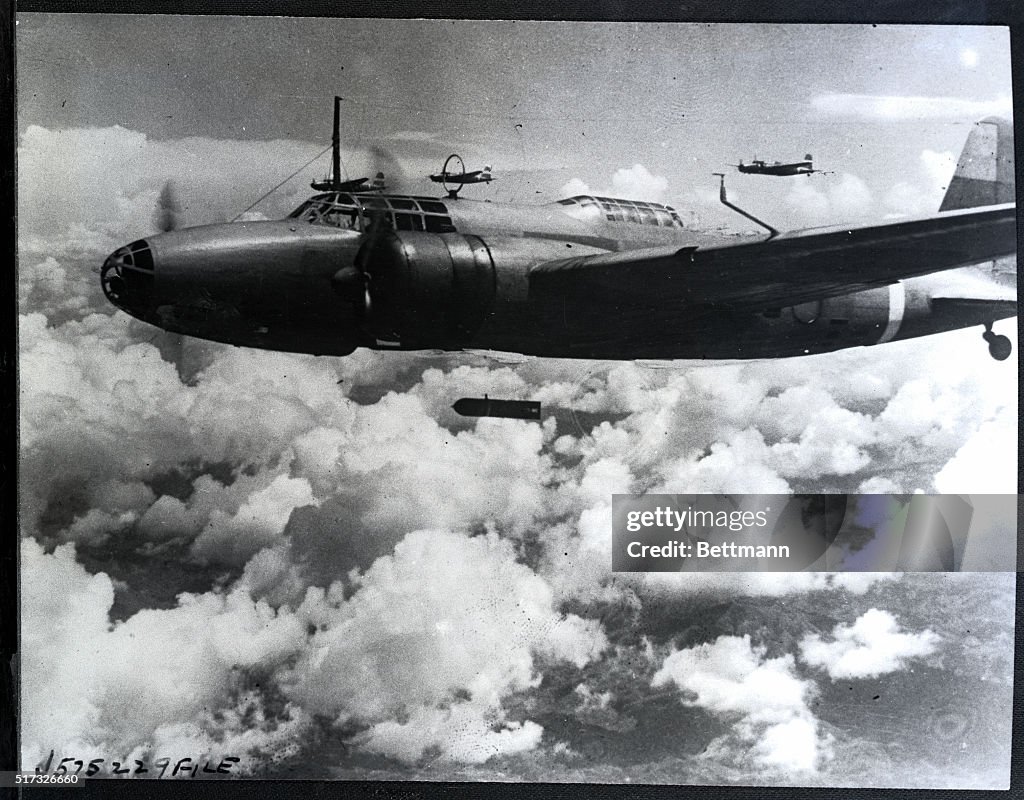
(845, 199)
(969, 470)
(138, 685)
(457, 612)
(458, 734)
(65, 293)
(447, 617)
(631, 183)
(938, 168)
(257, 524)
(118, 175)
(108, 408)
(763, 699)
(924, 196)
(873, 645)
(638, 183)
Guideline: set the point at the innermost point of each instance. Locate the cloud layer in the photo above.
(763, 697)
(873, 645)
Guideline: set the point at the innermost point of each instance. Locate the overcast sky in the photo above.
(579, 99)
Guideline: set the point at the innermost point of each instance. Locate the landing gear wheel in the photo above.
(999, 347)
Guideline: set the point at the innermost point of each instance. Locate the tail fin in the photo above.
(984, 173)
(808, 157)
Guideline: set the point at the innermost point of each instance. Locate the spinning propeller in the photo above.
(360, 283)
(167, 214)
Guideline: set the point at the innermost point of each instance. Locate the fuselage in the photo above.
(761, 168)
(407, 272)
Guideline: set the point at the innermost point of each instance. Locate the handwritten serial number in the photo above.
(158, 768)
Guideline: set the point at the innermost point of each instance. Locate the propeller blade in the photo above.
(356, 282)
(167, 215)
(349, 282)
(385, 162)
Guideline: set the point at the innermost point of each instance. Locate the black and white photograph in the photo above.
(337, 337)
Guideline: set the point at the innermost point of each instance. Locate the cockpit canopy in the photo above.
(354, 211)
(616, 210)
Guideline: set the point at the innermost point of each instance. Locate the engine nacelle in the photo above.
(426, 289)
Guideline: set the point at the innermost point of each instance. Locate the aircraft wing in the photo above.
(353, 185)
(785, 270)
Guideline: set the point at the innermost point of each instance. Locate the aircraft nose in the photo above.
(127, 278)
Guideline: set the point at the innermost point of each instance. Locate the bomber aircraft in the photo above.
(586, 276)
(454, 176)
(760, 167)
(356, 185)
(448, 173)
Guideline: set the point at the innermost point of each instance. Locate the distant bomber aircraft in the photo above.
(584, 277)
(758, 167)
(476, 176)
(454, 176)
(357, 185)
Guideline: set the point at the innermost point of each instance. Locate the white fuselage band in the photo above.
(897, 305)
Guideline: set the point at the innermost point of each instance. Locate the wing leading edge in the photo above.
(793, 268)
